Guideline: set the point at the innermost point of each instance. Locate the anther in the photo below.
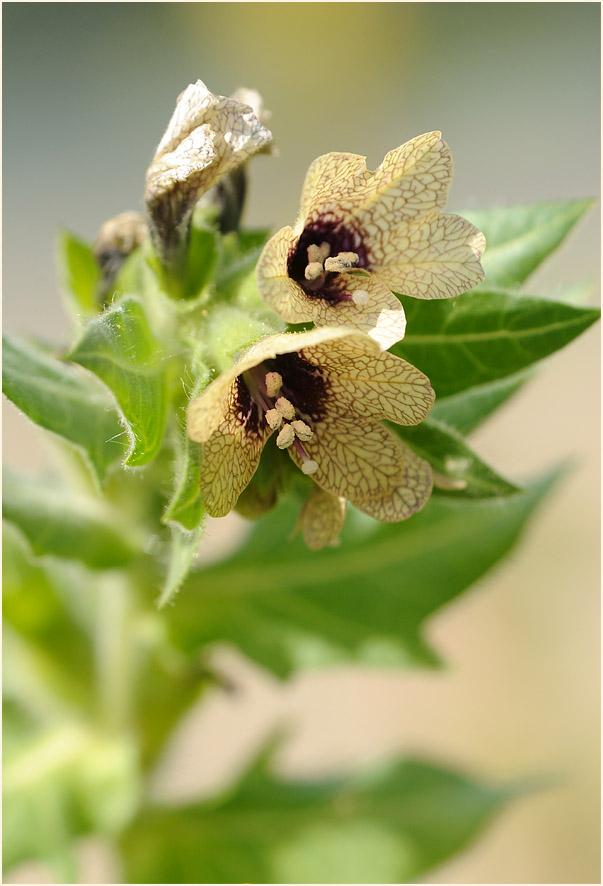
(274, 382)
(285, 437)
(314, 254)
(360, 297)
(302, 430)
(274, 419)
(313, 271)
(309, 467)
(285, 408)
(342, 262)
(325, 251)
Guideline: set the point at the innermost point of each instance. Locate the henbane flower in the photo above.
(207, 137)
(361, 236)
(322, 394)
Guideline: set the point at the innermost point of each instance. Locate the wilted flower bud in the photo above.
(254, 100)
(208, 136)
(116, 239)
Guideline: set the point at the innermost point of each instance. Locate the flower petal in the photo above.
(207, 411)
(321, 519)
(437, 256)
(412, 180)
(282, 294)
(409, 496)
(373, 385)
(358, 461)
(230, 459)
(382, 317)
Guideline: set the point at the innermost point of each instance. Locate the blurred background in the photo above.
(88, 90)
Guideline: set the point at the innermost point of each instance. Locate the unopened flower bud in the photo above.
(116, 239)
(207, 137)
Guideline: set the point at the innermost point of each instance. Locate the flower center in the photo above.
(321, 263)
(265, 387)
(325, 256)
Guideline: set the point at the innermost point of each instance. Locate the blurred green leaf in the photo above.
(201, 261)
(167, 684)
(79, 273)
(465, 411)
(36, 606)
(452, 460)
(132, 276)
(63, 400)
(483, 336)
(239, 253)
(365, 601)
(59, 784)
(385, 826)
(120, 349)
(58, 522)
(519, 238)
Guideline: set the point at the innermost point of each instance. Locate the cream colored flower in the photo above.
(322, 393)
(361, 236)
(208, 136)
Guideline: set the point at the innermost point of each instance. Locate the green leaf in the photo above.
(483, 336)
(465, 411)
(79, 273)
(57, 522)
(121, 350)
(37, 606)
(385, 826)
(63, 400)
(457, 469)
(364, 601)
(185, 506)
(182, 550)
(519, 238)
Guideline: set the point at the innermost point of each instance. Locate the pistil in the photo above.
(308, 466)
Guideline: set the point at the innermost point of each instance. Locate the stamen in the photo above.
(342, 262)
(313, 271)
(325, 251)
(274, 382)
(274, 419)
(314, 254)
(360, 297)
(302, 430)
(285, 437)
(285, 408)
